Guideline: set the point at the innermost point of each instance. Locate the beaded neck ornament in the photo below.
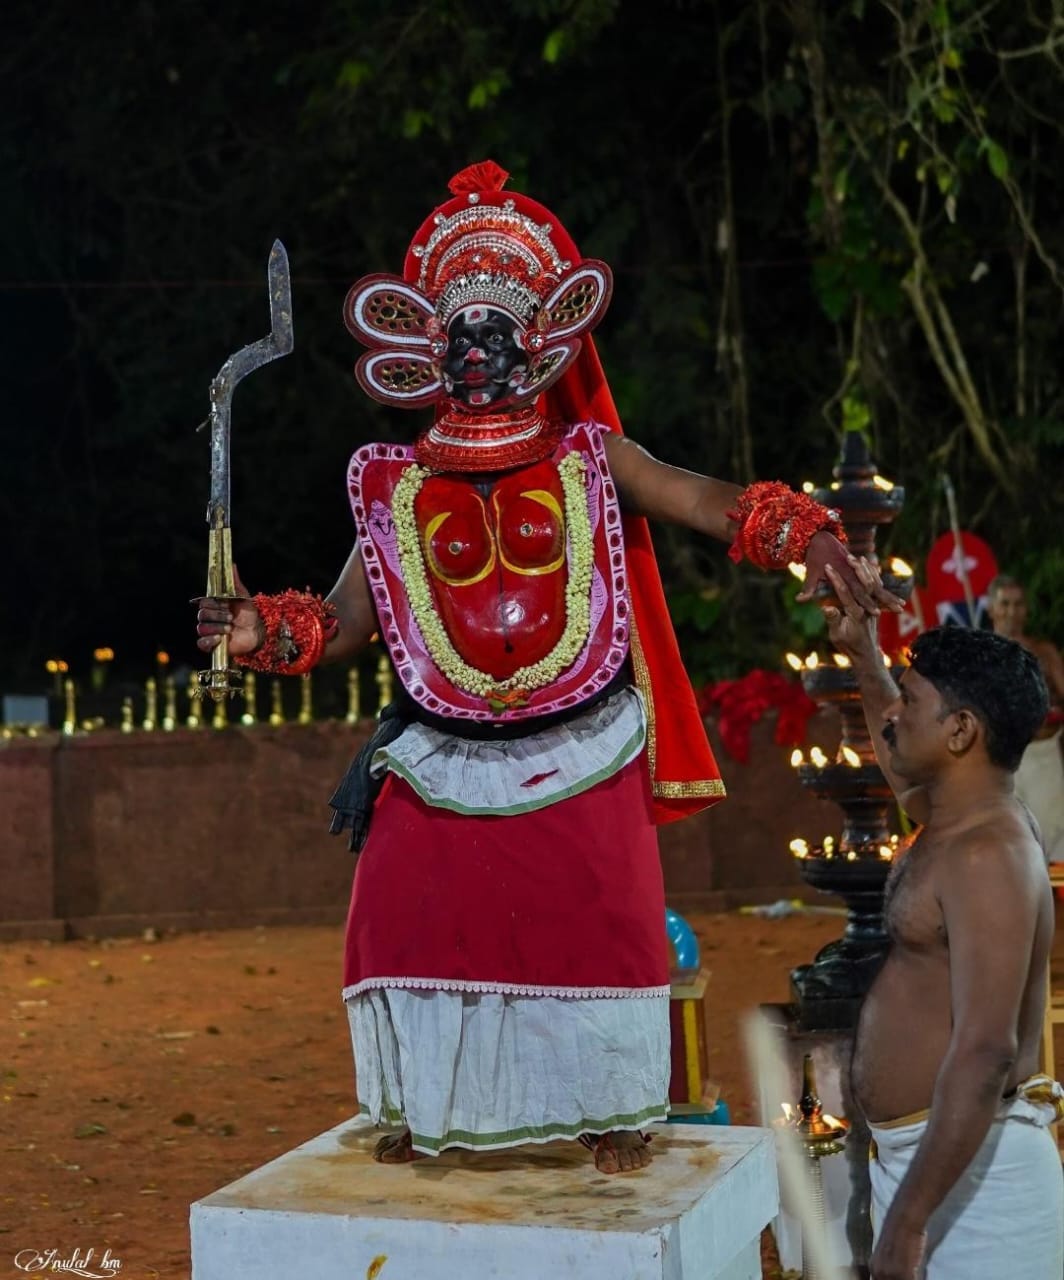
(488, 248)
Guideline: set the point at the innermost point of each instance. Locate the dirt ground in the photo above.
(141, 1074)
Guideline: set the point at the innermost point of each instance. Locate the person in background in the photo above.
(1040, 777)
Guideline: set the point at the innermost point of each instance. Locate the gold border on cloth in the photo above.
(662, 790)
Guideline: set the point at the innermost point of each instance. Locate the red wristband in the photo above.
(776, 524)
(298, 627)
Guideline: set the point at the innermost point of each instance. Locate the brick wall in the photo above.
(108, 833)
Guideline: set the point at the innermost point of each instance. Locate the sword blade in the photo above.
(278, 342)
(221, 681)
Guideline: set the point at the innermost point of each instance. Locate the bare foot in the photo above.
(621, 1151)
(396, 1148)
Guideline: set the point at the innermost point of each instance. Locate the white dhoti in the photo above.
(1004, 1217)
(1040, 785)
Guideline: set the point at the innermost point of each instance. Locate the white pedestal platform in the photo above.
(327, 1209)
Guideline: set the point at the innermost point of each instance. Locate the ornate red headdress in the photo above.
(484, 247)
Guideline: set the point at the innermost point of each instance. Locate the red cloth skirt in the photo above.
(568, 898)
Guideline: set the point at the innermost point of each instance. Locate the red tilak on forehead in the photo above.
(478, 313)
(473, 315)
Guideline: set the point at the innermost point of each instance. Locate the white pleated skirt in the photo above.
(487, 1071)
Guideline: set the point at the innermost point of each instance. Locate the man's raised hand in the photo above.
(852, 626)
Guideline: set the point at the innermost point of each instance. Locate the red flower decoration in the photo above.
(740, 704)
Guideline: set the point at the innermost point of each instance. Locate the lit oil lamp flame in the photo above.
(818, 757)
(798, 570)
(886, 852)
(799, 848)
(886, 659)
(792, 660)
(812, 662)
(852, 856)
(808, 486)
(788, 1112)
(851, 757)
(797, 758)
(841, 659)
(881, 482)
(829, 846)
(900, 568)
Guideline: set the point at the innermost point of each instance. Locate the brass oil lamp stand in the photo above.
(828, 992)
(821, 1135)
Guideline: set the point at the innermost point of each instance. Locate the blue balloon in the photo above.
(684, 942)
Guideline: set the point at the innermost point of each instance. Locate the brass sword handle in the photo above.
(222, 680)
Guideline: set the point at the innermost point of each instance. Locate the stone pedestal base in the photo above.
(327, 1210)
(846, 1186)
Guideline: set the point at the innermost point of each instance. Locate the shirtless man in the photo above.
(1040, 777)
(966, 1179)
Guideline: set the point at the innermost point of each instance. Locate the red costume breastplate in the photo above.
(496, 562)
(498, 598)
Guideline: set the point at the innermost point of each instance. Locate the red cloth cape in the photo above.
(684, 774)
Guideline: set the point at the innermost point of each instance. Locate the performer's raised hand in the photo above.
(237, 619)
(824, 551)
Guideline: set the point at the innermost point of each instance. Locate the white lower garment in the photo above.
(1040, 785)
(1004, 1217)
(485, 1071)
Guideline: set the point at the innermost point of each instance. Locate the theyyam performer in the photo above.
(506, 968)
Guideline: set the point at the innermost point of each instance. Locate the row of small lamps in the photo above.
(216, 715)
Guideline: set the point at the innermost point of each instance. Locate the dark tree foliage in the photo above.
(801, 202)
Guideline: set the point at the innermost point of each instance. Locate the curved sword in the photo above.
(221, 680)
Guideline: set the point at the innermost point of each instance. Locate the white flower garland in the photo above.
(577, 590)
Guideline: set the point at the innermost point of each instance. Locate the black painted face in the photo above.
(484, 361)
